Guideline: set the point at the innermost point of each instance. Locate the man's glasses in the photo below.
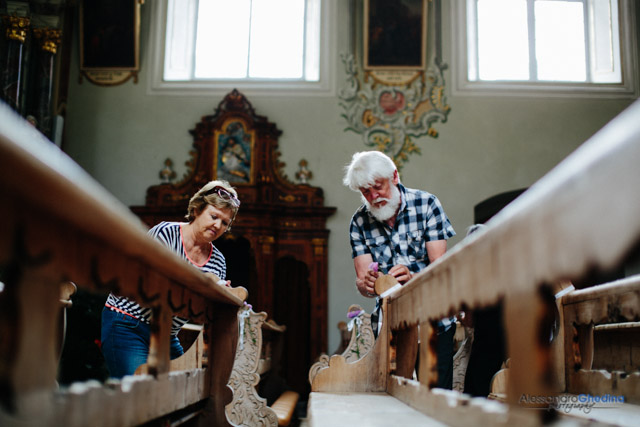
(225, 195)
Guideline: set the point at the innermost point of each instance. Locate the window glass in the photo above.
(243, 39)
(560, 41)
(503, 47)
(543, 40)
(280, 24)
(222, 44)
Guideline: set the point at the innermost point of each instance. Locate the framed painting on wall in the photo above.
(109, 40)
(395, 34)
(234, 160)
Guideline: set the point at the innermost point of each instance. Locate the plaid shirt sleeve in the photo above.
(357, 235)
(438, 225)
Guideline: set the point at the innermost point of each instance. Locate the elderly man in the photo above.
(401, 229)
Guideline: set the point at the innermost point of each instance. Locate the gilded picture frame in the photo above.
(395, 35)
(109, 40)
(234, 159)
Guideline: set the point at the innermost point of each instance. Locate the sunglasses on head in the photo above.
(225, 195)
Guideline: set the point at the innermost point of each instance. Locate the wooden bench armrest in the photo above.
(284, 407)
(271, 325)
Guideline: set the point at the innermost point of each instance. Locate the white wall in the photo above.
(121, 136)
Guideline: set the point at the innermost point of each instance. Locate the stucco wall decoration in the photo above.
(396, 98)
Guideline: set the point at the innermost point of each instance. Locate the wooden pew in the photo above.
(193, 357)
(59, 225)
(545, 236)
(360, 342)
(463, 340)
(345, 337)
(597, 348)
(258, 353)
(602, 346)
(195, 353)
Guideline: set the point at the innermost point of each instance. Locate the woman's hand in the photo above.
(218, 281)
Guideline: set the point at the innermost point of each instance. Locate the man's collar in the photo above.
(403, 198)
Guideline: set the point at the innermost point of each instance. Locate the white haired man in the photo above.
(401, 229)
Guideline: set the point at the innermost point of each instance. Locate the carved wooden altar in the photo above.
(277, 247)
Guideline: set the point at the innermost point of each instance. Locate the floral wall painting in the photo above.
(394, 105)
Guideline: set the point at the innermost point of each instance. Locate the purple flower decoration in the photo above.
(353, 314)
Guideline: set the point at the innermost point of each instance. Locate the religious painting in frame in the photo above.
(395, 35)
(233, 152)
(109, 40)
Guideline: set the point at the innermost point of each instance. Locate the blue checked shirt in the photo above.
(420, 219)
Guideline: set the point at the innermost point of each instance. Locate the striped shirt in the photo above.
(170, 235)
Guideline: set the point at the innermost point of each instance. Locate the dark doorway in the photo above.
(292, 308)
(291, 305)
(241, 263)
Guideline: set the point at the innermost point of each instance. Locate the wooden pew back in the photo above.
(58, 225)
(602, 349)
(582, 216)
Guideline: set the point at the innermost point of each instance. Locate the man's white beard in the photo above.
(385, 212)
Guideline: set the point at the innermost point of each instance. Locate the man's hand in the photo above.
(366, 285)
(369, 282)
(365, 275)
(401, 273)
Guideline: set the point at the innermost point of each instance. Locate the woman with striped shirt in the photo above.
(125, 324)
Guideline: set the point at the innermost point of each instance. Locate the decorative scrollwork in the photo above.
(361, 342)
(174, 307)
(323, 362)
(111, 285)
(147, 299)
(389, 116)
(193, 314)
(362, 338)
(247, 407)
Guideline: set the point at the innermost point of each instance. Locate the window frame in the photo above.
(325, 86)
(462, 86)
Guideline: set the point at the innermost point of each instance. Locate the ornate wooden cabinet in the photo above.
(277, 247)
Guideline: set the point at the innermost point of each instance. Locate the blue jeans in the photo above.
(125, 343)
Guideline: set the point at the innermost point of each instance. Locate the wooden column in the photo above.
(48, 42)
(531, 370)
(29, 314)
(318, 344)
(12, 75)
(428, 362)
(223, 330)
